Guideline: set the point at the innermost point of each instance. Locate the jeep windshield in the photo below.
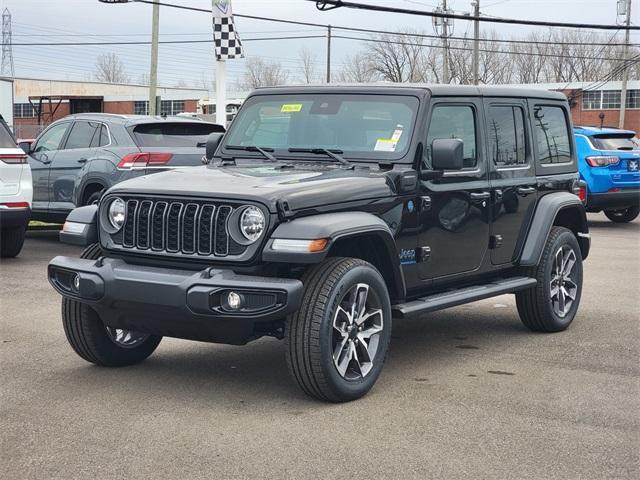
(366, 127)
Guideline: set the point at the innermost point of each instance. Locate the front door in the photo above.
(454, 215)
(42, 155)
(66, 166)
(512, 176)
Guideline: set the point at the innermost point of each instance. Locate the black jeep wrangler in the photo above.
(326, 212)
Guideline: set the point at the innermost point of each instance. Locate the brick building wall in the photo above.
(591, 118)
(28, 127)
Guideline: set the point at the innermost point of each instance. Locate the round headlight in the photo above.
(252, 223)
(116, 213)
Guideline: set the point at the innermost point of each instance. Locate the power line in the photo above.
(84, 44)
(332, 4)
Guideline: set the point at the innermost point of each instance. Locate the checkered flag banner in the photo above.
(226, 39)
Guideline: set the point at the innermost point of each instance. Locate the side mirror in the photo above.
(447, 154)
(213, 142)
(26, 147)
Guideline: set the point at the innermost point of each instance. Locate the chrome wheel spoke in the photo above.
(126, 338)
(358, 322)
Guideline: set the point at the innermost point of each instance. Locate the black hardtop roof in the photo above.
(128, 120)
(419, 89)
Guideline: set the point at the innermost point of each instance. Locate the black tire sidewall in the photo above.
(352, 389)
(560, 323)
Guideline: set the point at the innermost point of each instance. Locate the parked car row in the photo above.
(76, 159)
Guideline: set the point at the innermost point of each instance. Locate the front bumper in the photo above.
(14, 217)
(176, 303)
(628, 197)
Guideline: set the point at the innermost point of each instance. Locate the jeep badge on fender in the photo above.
(326, 213)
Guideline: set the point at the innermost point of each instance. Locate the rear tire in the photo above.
(624, 215)
(96, 343)
(337, 342)
(11, 241)
(552, 304)
(94, 197)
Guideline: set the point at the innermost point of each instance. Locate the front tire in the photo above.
(93, 341)
(337, 342)
(11, 241)
(552, 304)
(624, 215)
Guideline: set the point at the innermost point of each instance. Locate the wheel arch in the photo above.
(90, 187)
(350, 234)
(561, 209)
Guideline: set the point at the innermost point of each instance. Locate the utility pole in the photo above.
(329, 54)
(153, 74)
(445, 44)
(625, 71)
(476, 41)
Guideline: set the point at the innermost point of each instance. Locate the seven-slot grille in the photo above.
(179, 227)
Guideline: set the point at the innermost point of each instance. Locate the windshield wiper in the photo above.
(335, 154)
(250, 148)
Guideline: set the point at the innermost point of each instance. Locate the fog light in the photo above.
(76, 283)
(234, 300)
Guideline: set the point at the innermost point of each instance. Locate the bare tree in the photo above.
(398, 58)
(259, 73)
(110, 69)
(308, 61)
(144, 79)
(358, 69)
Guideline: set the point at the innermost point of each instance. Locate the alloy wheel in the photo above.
(357, 325)
(563, 290)
(126, 338)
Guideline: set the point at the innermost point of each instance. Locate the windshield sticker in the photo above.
(397, 133)
(291, 108)
(386, 145)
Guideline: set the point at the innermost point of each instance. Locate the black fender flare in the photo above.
(336, 227)
(557, 208)
(81, 226)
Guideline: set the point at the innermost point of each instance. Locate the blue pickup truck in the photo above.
(609, 162)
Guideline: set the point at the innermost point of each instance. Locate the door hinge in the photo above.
(495, 241)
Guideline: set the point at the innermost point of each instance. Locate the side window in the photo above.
(552, 134)
(82, 134)
(50, 139)
(101, 136)
(453, 121)
(507, 140)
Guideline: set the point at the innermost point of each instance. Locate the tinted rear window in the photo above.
(6, 140)
(615, 142)
(173, 134)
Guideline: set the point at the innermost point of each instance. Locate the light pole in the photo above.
(153, 73)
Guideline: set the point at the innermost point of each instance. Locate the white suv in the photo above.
(16, 194)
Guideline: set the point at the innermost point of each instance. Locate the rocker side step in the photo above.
(461, 296)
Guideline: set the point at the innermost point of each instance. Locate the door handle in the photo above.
(82, 160)
(525, 190)
(480, 195)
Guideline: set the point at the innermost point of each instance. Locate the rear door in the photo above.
(512, 176)
(626, 173)
(69, 161)
(454, 217)
(173, 144)
(42, 155)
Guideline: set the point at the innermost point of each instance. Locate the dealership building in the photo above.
(38, 102)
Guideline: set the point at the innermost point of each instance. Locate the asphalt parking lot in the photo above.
(465, 393)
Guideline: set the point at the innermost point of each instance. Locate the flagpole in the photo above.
(221, 93)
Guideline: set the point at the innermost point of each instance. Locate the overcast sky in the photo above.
(88, 20)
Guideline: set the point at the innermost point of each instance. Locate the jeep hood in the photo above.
(305, 186)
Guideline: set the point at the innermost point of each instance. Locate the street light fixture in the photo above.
(153, 73)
